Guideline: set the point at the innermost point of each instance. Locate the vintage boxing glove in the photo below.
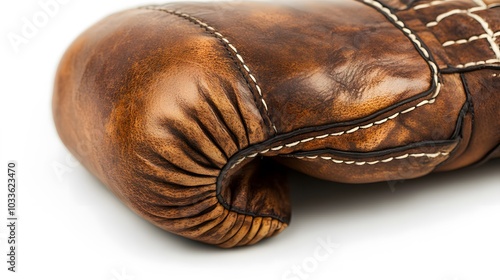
(189, 112)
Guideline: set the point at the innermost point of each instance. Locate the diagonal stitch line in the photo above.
(409, 33)
(230, 47)
(480, 3)
(435, 80)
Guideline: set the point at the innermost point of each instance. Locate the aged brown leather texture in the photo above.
(192, 112)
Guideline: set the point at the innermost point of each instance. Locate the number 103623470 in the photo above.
(11, 189)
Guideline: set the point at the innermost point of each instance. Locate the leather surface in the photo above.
(189, 112)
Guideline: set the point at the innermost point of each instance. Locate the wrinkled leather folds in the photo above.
(190, 112)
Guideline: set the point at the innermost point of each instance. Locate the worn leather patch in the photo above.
(191, 112)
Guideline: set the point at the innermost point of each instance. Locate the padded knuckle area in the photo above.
(167, 123)
(191, 113)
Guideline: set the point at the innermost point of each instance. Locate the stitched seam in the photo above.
(435, 80)
(466, 109)
(470, 39)
(433, 3)
(442, 16)
(457, 11)
(480, 3)
(426, 54)
(476, 63)
(489, 35)
(386, 160)
(231, 48)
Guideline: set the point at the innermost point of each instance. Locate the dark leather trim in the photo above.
(268, 143)
(468, 107)
(362, 155)
(451, 70)
(246, 212)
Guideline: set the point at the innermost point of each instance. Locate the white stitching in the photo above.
(447, 14)
(491, 34)
(425, 102)
(442, 16)
(232, 47)
(483, 62)
(480, 3)
(463, 41)
(435, 80)
(433, 3)
(292, 144)
(386, 160)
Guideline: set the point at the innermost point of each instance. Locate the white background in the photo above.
(444, 226)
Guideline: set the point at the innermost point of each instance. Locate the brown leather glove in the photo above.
(189, 111)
